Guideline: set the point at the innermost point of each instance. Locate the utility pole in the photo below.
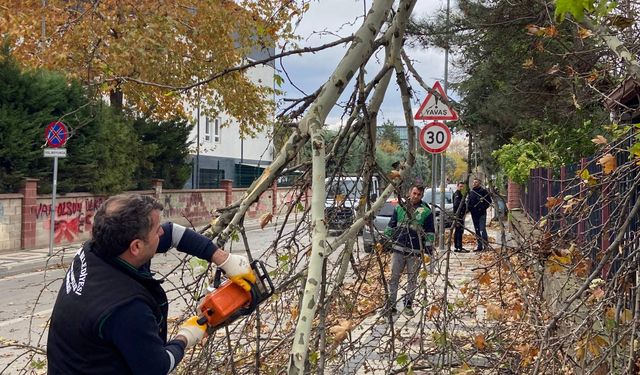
(443, 154)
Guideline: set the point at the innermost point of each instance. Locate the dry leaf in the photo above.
(341, 330)
(554, 69)
(265, 219)
(479, 342)
(583, 267)
(533, 29)
(434, 311)
(552, 202)
(608, 163)
(528, 353)
(484, 279)
(394, 174)
(494, 312)
(528, 63)
(584, 33)
(593, 76)
(596, 295)
(600, 140)
(550, 32)
(379, 247)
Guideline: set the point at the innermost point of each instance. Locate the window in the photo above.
(207, 129)
(216, 130)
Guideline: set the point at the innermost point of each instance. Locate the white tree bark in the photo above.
(359, 52)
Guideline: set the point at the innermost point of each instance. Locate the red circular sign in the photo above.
(56, 134)
(435, 137)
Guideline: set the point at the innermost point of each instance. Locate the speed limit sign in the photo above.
(435, 137)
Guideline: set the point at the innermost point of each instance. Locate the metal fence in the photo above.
(604, 204)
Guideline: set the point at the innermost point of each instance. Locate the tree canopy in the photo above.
(108, 151)
(155, 53)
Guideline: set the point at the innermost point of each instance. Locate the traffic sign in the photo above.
(435, 137)
(55, 152)
(56, 134)
(436, 106)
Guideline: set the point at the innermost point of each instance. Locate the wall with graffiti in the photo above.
(73, 219)
(191, 207)
(10, 221)
(74, 213)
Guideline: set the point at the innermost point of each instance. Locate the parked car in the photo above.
(379, 223)
(448, 205)
(344, 194)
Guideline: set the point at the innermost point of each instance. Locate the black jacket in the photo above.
(457, 201)
(111, 318)
(479, 201)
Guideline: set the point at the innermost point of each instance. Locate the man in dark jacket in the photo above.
(478, 202)
(110, 316)
(412, 231)
(460, 210)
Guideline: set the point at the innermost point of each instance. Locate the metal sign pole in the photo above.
(53, 203)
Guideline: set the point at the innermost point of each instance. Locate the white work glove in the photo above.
(239, 270)
(192, 331)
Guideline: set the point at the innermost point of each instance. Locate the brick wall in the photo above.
(25, 222)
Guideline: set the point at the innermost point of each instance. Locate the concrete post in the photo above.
(29, 192)
(157, 187)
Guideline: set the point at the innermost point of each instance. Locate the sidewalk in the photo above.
(21, 261)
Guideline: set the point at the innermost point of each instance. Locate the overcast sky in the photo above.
(328, 20)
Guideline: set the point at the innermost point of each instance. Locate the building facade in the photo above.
(219, 152)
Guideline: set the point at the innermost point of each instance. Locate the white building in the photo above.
(222, 153)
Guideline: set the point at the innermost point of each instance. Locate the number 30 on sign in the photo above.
(435, 137)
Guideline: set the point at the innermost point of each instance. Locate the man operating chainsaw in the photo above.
(110, 316)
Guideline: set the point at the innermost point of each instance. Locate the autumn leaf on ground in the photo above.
(265, 219)
(494, 312)
(528, 354)
(479, 342)
(608, 163)
(528, 63)
(484, 278)
(600, 140)
(465, 369)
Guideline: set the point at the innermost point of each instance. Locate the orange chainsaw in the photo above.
(229, 301)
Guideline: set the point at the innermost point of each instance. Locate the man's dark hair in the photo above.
(417, 186)
(120, 220)
(461, 182)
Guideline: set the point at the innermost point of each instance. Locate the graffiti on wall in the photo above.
(191, 206)
(73, 218)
